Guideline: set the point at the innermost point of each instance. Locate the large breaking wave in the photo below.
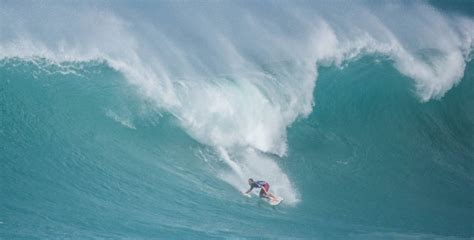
(235, 76)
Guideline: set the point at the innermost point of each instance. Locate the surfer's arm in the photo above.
(247, 192)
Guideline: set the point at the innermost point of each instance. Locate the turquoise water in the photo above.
(371, 158)
(138, 138)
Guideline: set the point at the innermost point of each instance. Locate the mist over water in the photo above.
(182, 102)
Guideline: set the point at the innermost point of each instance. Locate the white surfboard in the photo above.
(271, 202)
(275, 202)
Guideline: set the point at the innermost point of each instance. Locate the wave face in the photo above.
(144, 120)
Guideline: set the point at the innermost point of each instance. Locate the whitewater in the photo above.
(145, 119)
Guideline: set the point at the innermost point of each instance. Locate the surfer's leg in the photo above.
(263, 194)
(273, 196)
(268, 193)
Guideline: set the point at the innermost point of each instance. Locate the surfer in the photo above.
(264, 193)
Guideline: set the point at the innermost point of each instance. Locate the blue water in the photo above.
(144, 121)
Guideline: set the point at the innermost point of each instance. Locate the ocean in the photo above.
(144, 120)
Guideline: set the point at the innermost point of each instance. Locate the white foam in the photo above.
(123, 120)
(252, 164)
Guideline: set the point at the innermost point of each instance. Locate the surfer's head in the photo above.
(250, 181)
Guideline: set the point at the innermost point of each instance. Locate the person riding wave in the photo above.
(264, 193)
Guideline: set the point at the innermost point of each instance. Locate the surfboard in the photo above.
(271, 202)
(275, 202)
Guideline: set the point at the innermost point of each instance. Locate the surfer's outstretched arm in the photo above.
(247, 192)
